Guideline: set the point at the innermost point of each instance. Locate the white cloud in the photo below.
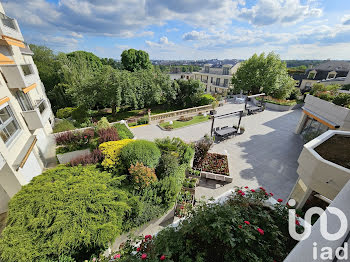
(267, 12)
(74, 34)
(346, 20)
(195, 35)
(163, 42)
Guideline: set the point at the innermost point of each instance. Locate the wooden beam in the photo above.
(4, 100)
(4, 60)
(331, 126)
(27, 89)
(12, 41)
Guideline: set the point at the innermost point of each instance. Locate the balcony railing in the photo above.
(37, 117)
(8, 21)
(41, 106)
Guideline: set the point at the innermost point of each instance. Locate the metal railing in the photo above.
(41, 106)
(8, 21)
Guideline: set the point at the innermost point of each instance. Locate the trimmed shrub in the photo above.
(108, 134)
(80, 114)
(141, 151)
(65, 112)
(123, 131)
(102, 124)
(93, 157)
(72, 211)
(111, 152)
(206, 99)
(167, 166)
(141, 176)
(64, 125)
(342, 100)
(178, 148)
(142, 121)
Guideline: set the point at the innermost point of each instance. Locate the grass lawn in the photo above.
(178, 124)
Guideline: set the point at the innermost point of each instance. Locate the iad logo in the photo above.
(326, 252)
(323, 222)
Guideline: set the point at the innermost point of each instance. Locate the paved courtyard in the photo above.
(265, 155)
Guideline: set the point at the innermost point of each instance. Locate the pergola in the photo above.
(253, 109)
(226, 130)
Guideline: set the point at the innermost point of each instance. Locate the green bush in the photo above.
(142, 176)
(80, 114)
(178, 148)
(64, 125)
(142, 121)
(72, 211)
(141, 151)
(102, 124)
(346, 87)
(167, 166)
(342, 99)
(206, 99)
(65, 112)
(242, 229)
(294, 95)
(326, 96)
(123, 131)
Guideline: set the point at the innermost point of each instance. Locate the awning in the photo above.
(25, 152)
(320, 119)
(27, 89)
(4, 60)
(4, 100)
(7, 40)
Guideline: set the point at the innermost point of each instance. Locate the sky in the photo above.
(189, 29)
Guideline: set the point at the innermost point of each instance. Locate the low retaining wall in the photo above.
(278, 107)
(217, 177)
(67, 157)
(176, 114)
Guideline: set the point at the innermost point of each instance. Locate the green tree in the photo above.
(134, 60)
(111, 62)
(266, 74)
(188, 92)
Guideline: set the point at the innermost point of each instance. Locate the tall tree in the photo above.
(134, 60)
(188, 92)
(263, 74)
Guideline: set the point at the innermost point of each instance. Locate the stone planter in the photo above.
(217, 177)
(67, 157)
(277, 107)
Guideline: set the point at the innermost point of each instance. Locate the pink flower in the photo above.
(117, 256)
(162, 257)
(85, 136)
(279, 200)
(271, 194)
(252, 190)
(261, 231)
(144, 256)
(247, 222)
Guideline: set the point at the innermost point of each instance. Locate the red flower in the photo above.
(266, 194)
(242, 194)
(240, 226)
(85, 136)
(263, 189)
(181, 207)
(148, 237)
(117, 256)
(271, 194)
(144, 256)
(297, 215)
(261, 231)
(279, 200)
(252, 190)
(247, 222)
(162, 257)
(245, 187)
(297, 222)
(239, 191)
(138, 249)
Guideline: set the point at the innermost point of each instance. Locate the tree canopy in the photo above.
(266, 74)
(134, 60)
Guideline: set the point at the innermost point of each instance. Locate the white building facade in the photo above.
(216, 80)
(26, 117)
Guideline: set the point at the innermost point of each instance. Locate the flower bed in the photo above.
(179, 124)
(214, 163)
(184, 203)
(282, 102)
(185, 119)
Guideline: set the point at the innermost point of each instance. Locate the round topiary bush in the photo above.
(141, 151)
(73, 211)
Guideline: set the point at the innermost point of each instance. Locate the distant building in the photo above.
(329, 72)
(216, 80)
(25, 113)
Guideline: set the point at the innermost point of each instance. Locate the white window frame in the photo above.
(8, 121)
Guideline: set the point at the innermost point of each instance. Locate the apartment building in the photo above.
(26, 117)
(216, 80)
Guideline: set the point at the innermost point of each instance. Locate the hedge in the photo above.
(123, 131)
(111, 151)
(64, 125)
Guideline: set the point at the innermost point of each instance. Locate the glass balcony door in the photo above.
(24, 101)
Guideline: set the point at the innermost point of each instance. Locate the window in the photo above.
(331, 75)
(206, 69)
(226, 82)
(312, 129)
(9, 127)
(211, 80)
(311, 75)
(24, 101)
(225, 70)
(42, 106)
(217, 81)
(27, 69)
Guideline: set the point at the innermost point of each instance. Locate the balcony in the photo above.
(37, 117)
(319, 174)
(9, 27)
(19, 76)
(2, 161)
